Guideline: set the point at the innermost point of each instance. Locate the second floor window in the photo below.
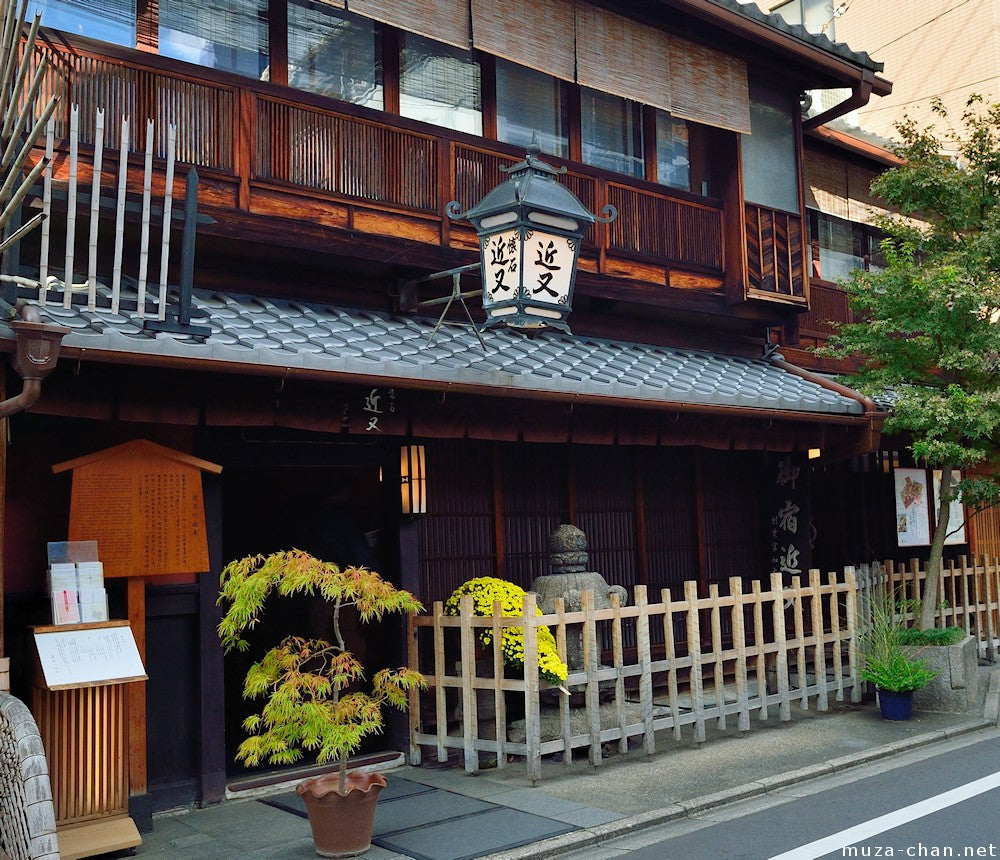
(112, 21)
(221, 34)
(334, 54)
(611, 132)
(673, 151)
(440, 84)
(531, 103)
(839, 246)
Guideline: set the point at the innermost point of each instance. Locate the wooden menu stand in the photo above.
(80, 702)
(143, 505)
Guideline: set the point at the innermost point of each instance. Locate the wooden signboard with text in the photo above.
(143, 505)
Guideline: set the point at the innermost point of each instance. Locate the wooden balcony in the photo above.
(266, 152)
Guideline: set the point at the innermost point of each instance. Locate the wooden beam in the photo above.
(137, 692)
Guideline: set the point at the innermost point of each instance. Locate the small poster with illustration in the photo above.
(956, 511)
(912, 511)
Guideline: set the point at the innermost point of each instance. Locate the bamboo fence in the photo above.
(716, 659)
(968, 596)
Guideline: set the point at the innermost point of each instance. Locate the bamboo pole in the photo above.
(470, 719)
(694, 652)
(413, 695)
(819, 652)
(758, 636)
(671, 653)
(852, 632)
(718, 674)
(740, 647)
(43, 254)
(645, 667)
(781, 644)
(837, 634)
(116, 278)
(147, 184)
(168, 199)
(499, 702)
(591, 664)
(618, 657)
(74, 153)
(532, 719)
(440, 670)
(564, 720)
(95, 211)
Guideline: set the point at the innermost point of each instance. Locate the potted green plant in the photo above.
(311, 703)
(885, 663)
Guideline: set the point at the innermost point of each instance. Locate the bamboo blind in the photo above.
(84, 730)
(621, 56)
(500, 28)
(444, 20)
(708, 86)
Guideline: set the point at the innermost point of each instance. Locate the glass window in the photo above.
(770, 161)
(842, 246)
(673, 151)
(220, 34)
(532, 104)
(334, 53)
(107, 20)
(611, 132)
(440, 84)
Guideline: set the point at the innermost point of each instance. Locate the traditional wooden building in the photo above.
(328, 139)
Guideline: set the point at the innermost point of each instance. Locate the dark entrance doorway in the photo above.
(337, 512)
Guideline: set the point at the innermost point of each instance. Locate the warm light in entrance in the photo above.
(412, 479)
(814, 453)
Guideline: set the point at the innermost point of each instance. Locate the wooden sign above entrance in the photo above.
(143, 505)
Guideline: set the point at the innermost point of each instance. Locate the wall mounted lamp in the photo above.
(412, 479)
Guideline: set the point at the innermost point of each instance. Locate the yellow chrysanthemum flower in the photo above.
(485, 591)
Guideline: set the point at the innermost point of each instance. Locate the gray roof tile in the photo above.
(255, 331)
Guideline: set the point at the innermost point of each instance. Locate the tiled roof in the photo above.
(820, 40)
(274, 333)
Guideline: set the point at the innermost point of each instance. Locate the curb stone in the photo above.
(595, 835)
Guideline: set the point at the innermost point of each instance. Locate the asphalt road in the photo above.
(940, 801)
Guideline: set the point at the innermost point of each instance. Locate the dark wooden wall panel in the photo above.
(671, 524)
(734, 528)
(456, 534)
(535, 502)
(605, 496)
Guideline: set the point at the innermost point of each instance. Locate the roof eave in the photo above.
(761, 32)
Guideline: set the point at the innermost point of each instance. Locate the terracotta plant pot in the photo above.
(341, 824)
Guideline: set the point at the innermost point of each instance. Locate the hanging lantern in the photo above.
(412, 479)
(530, 229)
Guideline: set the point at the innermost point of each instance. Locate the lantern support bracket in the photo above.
(408, 298)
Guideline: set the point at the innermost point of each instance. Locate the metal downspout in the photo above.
(859, 97)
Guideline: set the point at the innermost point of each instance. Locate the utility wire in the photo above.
(929, 96)
(919, 26)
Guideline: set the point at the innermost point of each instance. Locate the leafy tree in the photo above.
(927, 333)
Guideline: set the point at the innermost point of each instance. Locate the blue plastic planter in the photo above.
(895, 706)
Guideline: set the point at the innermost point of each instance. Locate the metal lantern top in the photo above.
(532, 186)
(530, 228)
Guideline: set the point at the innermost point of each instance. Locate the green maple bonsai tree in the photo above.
(307, 682)
(926, 330)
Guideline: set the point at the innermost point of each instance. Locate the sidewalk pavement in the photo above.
(431, 813)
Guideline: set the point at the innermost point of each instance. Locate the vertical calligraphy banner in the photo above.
(790, 522)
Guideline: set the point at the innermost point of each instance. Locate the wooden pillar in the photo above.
(137, 692)
(213, 722)
(3, 523)
(500, 567)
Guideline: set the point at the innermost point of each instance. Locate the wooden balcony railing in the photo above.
(828, 305)
(775, 262)
(260, 141)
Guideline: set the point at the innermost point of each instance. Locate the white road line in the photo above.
(835, 842)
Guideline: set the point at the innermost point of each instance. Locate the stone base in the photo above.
(579, 722)
(956, 688)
